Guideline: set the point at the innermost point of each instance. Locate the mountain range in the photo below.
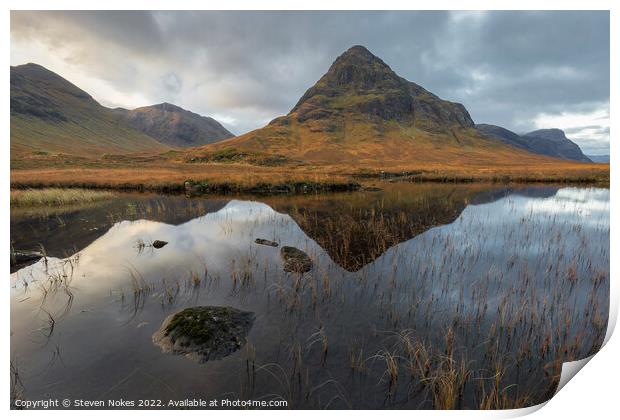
(360, 111)
(549, 142)
(51, 115)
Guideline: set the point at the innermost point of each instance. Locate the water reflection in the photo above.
(357, 228)
(447, 290)
(63, 231)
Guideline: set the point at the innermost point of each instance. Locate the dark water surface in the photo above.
(420, 296)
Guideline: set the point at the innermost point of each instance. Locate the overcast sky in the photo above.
(520, 70)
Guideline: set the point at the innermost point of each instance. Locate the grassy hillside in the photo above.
(363, 144)
(50, 115)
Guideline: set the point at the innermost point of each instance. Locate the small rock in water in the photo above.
(266, 242)
(159, 244)
(203, 333)
(295, 260)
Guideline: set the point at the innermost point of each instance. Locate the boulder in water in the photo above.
(204, 333)
(295, 260)
(159, 244)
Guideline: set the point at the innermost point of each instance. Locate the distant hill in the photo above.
(361, 112)
(174, 126)
(49, 114)
(553, 142)
(599, 158)
(549, 142)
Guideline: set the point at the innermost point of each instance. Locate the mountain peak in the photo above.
(358, 49)
(31, 66)
(359, 69)
(357, 82)
(361, 86)
(35, 74)
(166, 106)
(548, 134)
(358, 53)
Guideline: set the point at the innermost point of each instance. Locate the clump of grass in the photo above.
(56, 196)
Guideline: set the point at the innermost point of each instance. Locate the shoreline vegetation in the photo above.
(56, 197)
(170, 176)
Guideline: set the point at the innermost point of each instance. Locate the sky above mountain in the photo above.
(520, 70)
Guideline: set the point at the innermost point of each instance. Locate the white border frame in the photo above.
(592, 394)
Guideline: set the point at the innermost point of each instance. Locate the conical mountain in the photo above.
(362, 113)
(360, 84)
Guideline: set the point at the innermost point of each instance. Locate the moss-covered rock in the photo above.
(204, 333)
(295, 260)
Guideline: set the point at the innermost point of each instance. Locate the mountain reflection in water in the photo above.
(421, 296)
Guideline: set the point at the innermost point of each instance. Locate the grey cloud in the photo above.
(249, 67)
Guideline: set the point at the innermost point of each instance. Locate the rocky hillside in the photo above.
(553, 142)
(175, 126)
(361, 112)
(548, 142)
(360, 84)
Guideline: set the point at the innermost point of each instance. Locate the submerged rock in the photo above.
(204, 333)
(295, 260)
(266, 242)
(159, 244)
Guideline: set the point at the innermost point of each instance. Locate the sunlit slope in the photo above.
(370, 144)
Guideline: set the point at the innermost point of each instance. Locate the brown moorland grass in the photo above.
(168, 177)
(56, 197)
(171, 176)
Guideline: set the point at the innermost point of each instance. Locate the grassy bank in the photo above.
(203, 178)
(171, 176)
(56, 197)
(563, 172)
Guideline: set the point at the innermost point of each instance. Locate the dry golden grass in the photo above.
(172, 175)
(165, 176)
(56, 197)
(358, 147)
(385, 145)
(355, 153)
